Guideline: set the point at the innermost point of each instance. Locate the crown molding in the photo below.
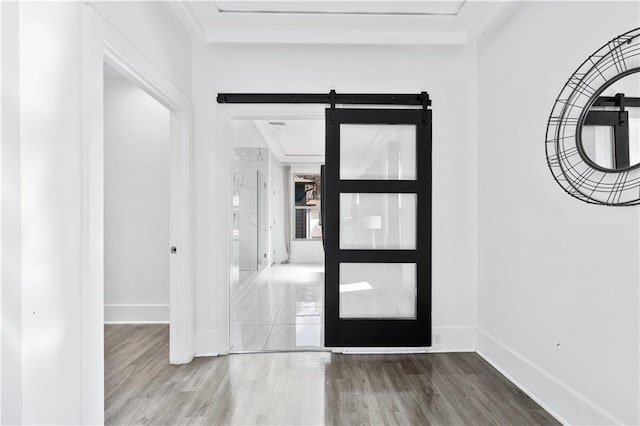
(242, 36)
(473, 19)
(187, 18)
(494, 15)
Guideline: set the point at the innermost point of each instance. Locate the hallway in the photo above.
(303, 387)
(281, 310)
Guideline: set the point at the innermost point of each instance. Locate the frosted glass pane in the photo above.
(378, 151)
(378, 290)
(378, 221)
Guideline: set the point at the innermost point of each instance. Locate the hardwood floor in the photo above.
(303, 387)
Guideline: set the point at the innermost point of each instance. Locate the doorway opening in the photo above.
(374, 213)
(277, 260)
(137, 140)
(105, 45)
(136, 204)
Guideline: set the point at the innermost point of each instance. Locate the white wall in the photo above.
(50, 56)
(558, 278)
(136, 185)
(51, 154)
(448, 73)
(10, 259)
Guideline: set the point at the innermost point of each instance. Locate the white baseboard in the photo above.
(136, 314)
(562, 402)
(454, 339)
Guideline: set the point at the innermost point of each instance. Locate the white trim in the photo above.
(272, 111)
(205, 343)
(541, 386)
(146, 76)
(473, 19)
(188, 18)
(2, 332)
(181, 286)
(136, 314)
(225, 134)
(496, 13)
(340, 37)
(102, 43)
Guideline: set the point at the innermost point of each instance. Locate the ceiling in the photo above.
(294, 141)
(342, 7)
(412, 22)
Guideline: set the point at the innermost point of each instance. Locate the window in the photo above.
(306, 210)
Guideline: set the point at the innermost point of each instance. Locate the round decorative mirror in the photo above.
(593, 133)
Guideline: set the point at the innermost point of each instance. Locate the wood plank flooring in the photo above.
(303, 387)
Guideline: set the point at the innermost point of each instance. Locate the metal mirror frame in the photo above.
(579, 176)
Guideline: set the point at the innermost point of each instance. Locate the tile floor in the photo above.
(282, 310)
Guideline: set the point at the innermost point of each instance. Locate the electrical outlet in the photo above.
(436, 339)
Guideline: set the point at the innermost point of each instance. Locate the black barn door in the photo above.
(377, 227)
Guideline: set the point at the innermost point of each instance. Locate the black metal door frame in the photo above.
(377, 332)
(369, 332)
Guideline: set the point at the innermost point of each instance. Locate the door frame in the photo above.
(260, 106)
(103, 44)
